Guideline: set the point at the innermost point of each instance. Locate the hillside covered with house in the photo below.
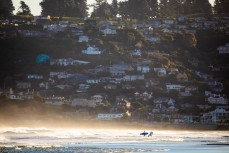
(161, 71)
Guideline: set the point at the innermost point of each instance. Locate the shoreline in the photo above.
(101, 124)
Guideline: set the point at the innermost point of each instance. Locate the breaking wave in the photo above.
(101, 140)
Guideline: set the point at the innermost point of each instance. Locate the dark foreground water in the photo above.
(42, 140)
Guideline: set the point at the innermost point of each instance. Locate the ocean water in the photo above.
(42, 140)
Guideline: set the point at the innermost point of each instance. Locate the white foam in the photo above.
(76, 137)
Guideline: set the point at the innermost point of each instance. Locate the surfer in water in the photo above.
(150, 134)
(146, 133)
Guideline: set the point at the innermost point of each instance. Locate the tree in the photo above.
(163, 6)
(24, 9)
(97, 4)
(139, 9)
(202, 6)
(70, 8)
(115, 7)
(83, 8)
(6, 8)
(221, 6)
(76, 8)
(145, 9)
(197, 6)
(123, 9)
(181, 6)
(48, 7)
(102, 9)
(153, 4)
(217, 7)
(173, 8)
(188, 7)
(132, 8)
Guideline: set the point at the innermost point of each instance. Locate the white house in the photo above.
(174, 87)
(202, 75)
(83, 88)
(169, 22)
(23, 85)
(35, 76)
(154, 38)
(54, 28)
(217, 100)
(219, 115)
(67, 62)
(92, 51)
(44, 85)
(143, 68)
(62, 62)
(136, 52)
(108, 31)
(58, 101)
(83, 38)
(21, 95)
(116, 72)
(16, 97)
(61, 75)
(144, 96)
(77, 32)
(211, 94)
(110, 116)
(98, 99)
(64, 76)
(223, 49)
(133, 77)
(93, 81)
(161, 73)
